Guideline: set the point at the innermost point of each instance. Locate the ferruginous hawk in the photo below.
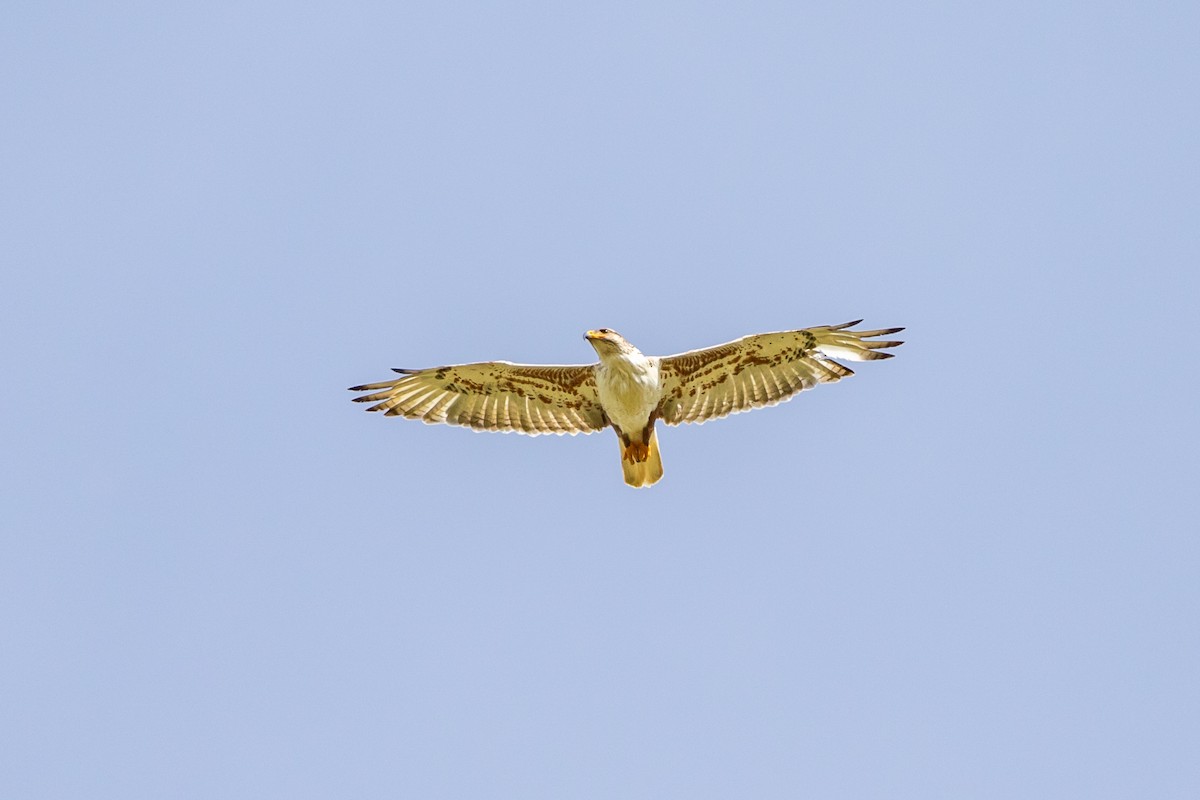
(628, 391)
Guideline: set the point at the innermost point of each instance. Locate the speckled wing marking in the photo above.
(761, 370)
(493, 396)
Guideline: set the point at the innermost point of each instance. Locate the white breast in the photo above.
(629, 390)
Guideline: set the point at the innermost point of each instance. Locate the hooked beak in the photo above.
(609, 338)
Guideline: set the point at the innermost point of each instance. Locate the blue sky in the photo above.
(969, 571)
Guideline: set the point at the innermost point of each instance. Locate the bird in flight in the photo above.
(626, 390)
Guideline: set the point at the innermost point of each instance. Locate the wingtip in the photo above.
(404, 371)
(844, 325)
(873, 334)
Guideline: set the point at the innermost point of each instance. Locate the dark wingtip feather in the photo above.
(844, 325)
(403, 371)
(872, 334)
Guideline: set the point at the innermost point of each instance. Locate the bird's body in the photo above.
(626, 390)
(629, 386)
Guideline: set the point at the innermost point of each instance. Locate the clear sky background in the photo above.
(971, 571)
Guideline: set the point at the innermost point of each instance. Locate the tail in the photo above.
(648, 470)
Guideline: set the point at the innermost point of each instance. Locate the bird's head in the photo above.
(608, 342)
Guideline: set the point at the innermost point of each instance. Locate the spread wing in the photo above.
(761, 370)
(493, 396)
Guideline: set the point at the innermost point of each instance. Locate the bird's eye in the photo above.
(605, 330)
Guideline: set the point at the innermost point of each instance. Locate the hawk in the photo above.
(626, 390)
